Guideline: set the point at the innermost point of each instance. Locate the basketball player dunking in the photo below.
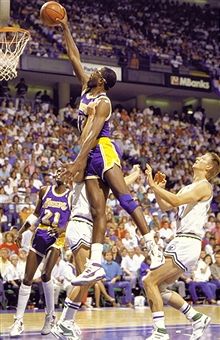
(98, 159)
(182, 253)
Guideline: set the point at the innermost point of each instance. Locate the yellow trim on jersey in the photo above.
(43, 226)
(60, 241)
(109, 153)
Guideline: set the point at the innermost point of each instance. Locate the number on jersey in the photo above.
(47, 220)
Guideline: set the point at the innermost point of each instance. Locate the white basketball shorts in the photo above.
(185, 251)
(78, 233)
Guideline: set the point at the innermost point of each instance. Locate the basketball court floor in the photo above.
(117, 323)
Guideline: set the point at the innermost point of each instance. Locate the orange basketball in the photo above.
(51, 11)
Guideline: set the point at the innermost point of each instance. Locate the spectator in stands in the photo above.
(13, 211)
(12, 278)
(9, 242)
(201, 277)
(4, 90)
(22, 258)
(100, 290)
(129, 242)
(107, 244)
(3, 221)
(130, 267)
(22, 88)
(4, 260)
(134, 62)
(116, 256)
(166, 233)
(216, 232)
(46, 101)
(209, 248)
(138, 257)
(215, 270)
(113, 279)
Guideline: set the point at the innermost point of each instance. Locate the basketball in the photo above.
(51, 11)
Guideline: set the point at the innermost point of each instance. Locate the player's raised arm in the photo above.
(73, 52)
(202, 191)
(135, 173)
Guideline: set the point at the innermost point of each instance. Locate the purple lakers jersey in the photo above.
(56, 208)
(86, 99)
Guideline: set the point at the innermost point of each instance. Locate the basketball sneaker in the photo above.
(17, 328)
(199, 324)
(66, 330)
(159, 333)
(92, 272)
(49, 322)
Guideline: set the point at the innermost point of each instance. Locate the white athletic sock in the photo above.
(158, 319)
(23, 297)
(70, 309)
(49, 296)
(188, 311)
(96, 252)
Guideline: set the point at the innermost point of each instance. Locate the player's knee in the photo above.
(45, 277)
(127, 203)
(165, 293)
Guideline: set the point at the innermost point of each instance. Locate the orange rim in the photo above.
(13, 29)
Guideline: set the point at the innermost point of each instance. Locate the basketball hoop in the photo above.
(12, 44)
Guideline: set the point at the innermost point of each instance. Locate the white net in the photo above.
(12, 45)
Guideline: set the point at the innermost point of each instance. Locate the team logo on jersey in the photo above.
(172, 247)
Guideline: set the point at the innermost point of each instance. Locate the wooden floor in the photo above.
(109, 317)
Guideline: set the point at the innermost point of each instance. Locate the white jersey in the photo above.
(191, 218)
(80, 205)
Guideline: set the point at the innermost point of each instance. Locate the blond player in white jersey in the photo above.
(182, 253)
(79, 237)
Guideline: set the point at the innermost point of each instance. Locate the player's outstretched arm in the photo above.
(200, 192)
(135, 173)
(73, 52)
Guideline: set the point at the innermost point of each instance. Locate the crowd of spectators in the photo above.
(162, 32)
(34, 142)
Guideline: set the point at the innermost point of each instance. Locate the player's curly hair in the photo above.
(215, 169)
(109, 76)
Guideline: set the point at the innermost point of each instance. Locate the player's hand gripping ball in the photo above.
(51, 12)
